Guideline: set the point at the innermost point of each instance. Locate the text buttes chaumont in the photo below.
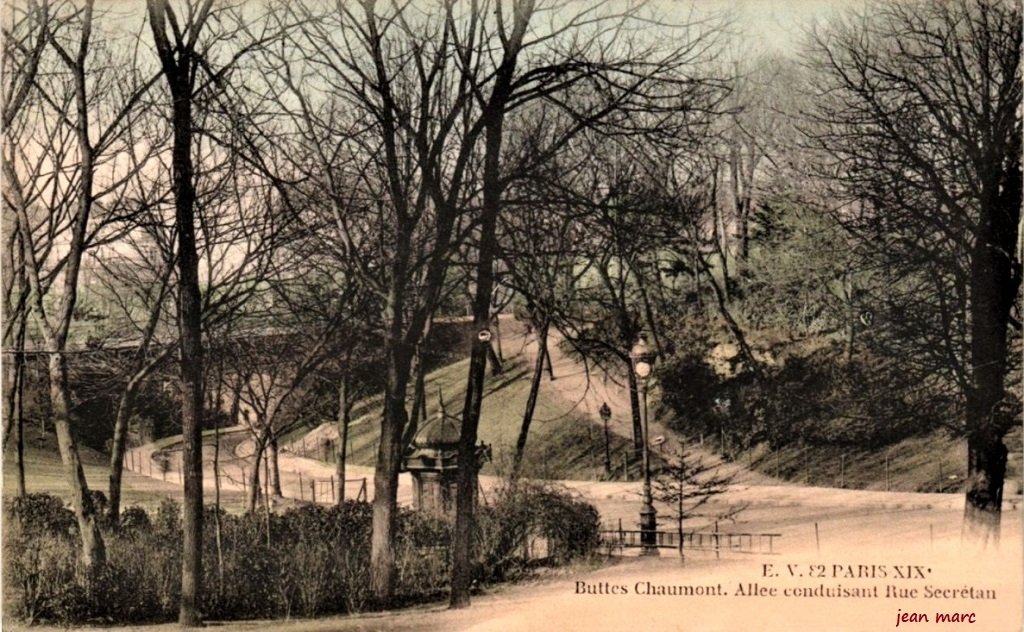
(647, 588)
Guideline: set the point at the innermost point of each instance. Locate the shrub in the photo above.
(523, 511)
(818, 399)
(41, 513)
(310, 560)
(40, 558)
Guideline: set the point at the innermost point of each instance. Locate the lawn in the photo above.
(44, 473)
(562, 443)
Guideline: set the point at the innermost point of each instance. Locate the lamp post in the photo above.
(606, 414)
(642, 358)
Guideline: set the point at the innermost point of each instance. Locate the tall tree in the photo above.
(85, 104)
(598, 82)
(380, 119)
(25, 34)
(919, 113)
(177, 43)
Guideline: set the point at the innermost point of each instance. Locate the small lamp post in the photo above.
(606, 414)
(642, 358)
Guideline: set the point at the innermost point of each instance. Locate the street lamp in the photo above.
(606, 414)
(642, 358)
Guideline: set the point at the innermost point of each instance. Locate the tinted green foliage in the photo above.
(818, 399)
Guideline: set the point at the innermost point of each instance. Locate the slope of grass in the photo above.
(44, 474)
(561, 443)
(929, 463)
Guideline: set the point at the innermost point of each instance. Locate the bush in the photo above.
(313, 560)
(41, 513)
(817, 399)
(524, 511)
(40, 560)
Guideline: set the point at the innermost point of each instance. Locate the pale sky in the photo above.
(766, 24)
(774, 24)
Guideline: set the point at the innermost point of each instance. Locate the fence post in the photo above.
(362, 490)
(312, 490)
(332, 490)
(718, 553)
(301, 497)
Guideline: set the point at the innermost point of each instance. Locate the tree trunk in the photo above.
(734, 328)
(14, 378)
(254, 477)
(494, 360)
(548, 364)
(117, 450)
(720, 238)
(851, 317)
(179, 67)
(216, 506)
(466, 487)
(634, 407)
(385, 475)
(497, 336)
(419, 398)
(652, 324)
(93, 553)
(236, 399)
(994, 286)
(986, 471)
(275, 472)
(18, 416)
(531, 400)
(14, 322)
(191, 362)
(344, 419)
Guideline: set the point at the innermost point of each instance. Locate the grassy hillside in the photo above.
(929, 463)
(44, 473)
(562, 443)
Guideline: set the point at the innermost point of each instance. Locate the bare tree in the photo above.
(62, 203)
(177, 43)
(24, 46)
(138, 283)
(392, 148)
(919, 118)
(539, 248)
(584, 68)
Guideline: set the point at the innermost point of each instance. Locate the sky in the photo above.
(771, 25)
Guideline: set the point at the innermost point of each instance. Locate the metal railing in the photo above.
(716, 541)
